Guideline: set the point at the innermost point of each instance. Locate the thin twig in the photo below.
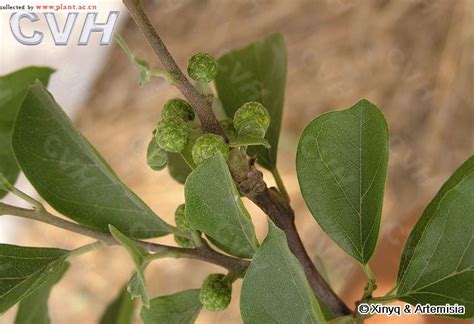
(200, 103)
(283, 216)
(203, 253)
(86, 248)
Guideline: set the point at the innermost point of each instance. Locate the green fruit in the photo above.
(180, 219)
(207, 146)
(252, 119)
(228, 126)
(172, 134)
(183, 242)
(177, 108)
(156, 158)
(215, 293)
(202, 67)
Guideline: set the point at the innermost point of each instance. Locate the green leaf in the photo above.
(120, 311)
(256, 73)
(178, 168)
(214, 207)
(342, 167)
(437, 264)
(156, 158)
(71, 176)
(25, 269)
(275, 289)
(137, 285)
(13, 88)
(249, 141)
(180, 308)
(34, 308)
(5, 185)
(349, 319)
(137, 252)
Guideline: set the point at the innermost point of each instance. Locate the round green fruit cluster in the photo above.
(207, 146)
(252, 119)
(215, 293)
(177, 108)
(172, 134)
(172, 131)
(202, 67)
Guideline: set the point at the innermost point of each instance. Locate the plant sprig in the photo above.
(249, 181)
(341, 162)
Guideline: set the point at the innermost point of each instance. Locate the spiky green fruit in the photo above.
(202, 67)
(207, 146)
(252, 118)
(215, 293)
(172, 134)
(177, 108)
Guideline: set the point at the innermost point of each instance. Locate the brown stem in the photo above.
(282, 216)
(200, 103)
(204, 253)
(249, 180)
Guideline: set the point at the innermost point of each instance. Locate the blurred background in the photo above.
(413, 58)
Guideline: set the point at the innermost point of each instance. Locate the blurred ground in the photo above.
(414, 59)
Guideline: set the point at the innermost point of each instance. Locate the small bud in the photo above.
(207, 146)
(177, 108)
(156, 158)
(252, 119)
(183, 242)
(180, 219)
(172, 134)
(215, 293)
(202, 67)
(228, 126)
